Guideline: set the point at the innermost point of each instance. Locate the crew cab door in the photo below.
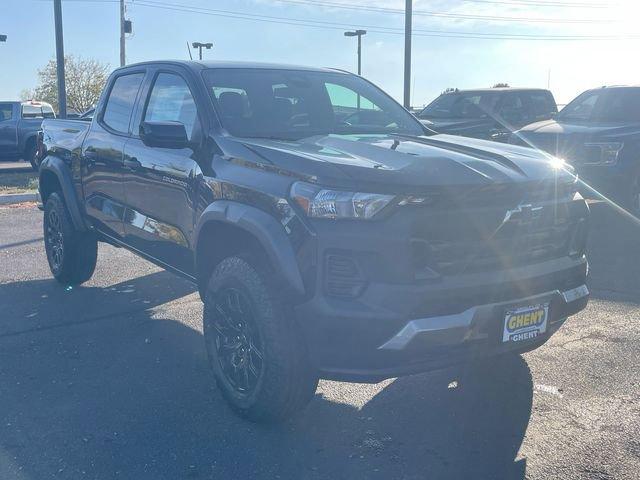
(161, 183)
(8, 129)
(102, 154)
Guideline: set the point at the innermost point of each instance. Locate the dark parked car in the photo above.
(599, 134)
(355, 248)
(19, 125)
(491, 114)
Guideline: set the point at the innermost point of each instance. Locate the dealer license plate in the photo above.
(525, 323)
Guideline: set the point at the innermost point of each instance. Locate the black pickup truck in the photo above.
(489, 113)
(330, 234)
(598, 134)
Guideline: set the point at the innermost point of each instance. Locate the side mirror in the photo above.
(164, 134)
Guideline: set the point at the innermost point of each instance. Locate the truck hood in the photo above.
(402, 163)
(558, 127)
(457, 126)
(569, 140)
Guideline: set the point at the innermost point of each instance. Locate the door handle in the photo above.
(132, 163)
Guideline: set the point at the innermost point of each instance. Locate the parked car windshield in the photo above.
(604, 105)
(293, 104)
(581, 108)
(461, 105)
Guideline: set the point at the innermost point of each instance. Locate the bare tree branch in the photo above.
(84, 78)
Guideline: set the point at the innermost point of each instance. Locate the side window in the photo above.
(6, 111)
(542, 105)
(122, 97)
(47, 112)
(171, 101)
(31, 111)
(512, 108)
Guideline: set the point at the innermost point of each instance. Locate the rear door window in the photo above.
(122, 97)
(6, 111)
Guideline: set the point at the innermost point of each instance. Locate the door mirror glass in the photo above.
(163, 134)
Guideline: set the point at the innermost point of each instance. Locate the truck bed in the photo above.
(63, 136)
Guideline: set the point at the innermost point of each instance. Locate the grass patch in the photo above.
(22, 182)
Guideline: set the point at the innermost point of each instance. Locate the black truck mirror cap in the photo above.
(163, 134)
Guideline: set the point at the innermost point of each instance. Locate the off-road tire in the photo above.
(286, 381)
(71, 254)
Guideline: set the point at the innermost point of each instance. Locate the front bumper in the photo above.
(370, 340)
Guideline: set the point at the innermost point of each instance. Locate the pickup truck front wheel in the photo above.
(258, 359)
(72, 254)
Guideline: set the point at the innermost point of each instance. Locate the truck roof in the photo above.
(499, 89)
(36, 103)
(200, 65)
(615, 87)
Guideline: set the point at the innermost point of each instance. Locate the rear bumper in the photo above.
(375, 338)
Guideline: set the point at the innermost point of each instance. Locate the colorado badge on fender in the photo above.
(525, 323)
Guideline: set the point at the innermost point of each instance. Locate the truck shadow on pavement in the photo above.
(614, 253)
(129, 394)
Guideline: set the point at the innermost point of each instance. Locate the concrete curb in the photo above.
(12, 198)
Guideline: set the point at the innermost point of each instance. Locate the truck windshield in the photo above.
(461, 105)
(293, 104)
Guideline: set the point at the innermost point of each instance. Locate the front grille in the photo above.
(467, 240)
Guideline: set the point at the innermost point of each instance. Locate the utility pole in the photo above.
(122, 52)
(407, 53)
(200, 46)
(62, 93)
(359, 34)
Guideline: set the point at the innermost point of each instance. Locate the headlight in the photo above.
(324, 203)
(609, 152)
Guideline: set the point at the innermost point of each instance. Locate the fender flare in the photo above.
(60, 169)
(266, 229)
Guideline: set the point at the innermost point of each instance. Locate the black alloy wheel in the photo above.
(237, 341)
(54, 239)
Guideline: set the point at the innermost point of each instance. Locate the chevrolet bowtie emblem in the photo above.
(523, 214)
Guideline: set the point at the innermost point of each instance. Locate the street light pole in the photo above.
(359, 34)
(200, 46)
(62, 93)
(122, 42)
(407, 53)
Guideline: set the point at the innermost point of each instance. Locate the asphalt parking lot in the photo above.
(110, 380)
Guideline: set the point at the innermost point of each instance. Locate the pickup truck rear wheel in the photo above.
(31, 155)
(72, 254)
(257, 356)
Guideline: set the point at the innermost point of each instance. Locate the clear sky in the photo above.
(239, 32)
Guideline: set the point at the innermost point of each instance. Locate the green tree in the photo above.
(84, 79)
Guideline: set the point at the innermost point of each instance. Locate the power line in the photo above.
(462, 16)
(373, 28)
(367, 8)
(554, 4)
